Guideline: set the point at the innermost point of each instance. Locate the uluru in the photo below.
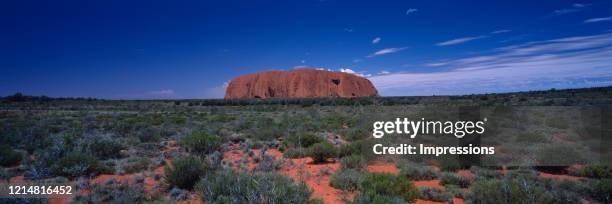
(299, 83)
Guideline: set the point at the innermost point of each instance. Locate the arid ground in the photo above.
(551, 147)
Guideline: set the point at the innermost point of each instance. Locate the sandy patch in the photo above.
(429, 183)
(380, 167)
(561, 177)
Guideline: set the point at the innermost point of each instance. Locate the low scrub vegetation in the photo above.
(8, 156)
(417, 172)
(184, 172)
(201, 142)
(377, 187)
(258, 187)
(346, 179)
(321, 152)
(78, 164)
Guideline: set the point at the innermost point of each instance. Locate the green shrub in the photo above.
(78, 164)
(302, 140)
(346, 179)
(259, 187)
(353, 162)
(8, 156)
(484, 173)
(520, 188)
(454, 190)
(435, 194)
(601, 190)
(184, 172)
(388, 185)
(295, 153)
(454, 179)
(353, 148)
(149, 134)
(201, 142)
(105, 148)
(594, 171)
(115, 193)
(322, 151)
(417, 172)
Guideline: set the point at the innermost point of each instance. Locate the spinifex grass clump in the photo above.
(385, 187)
(322, 151)
(201, 142)
(417, 172)
(78, 164)
(346, 179)
(184, 172)
(259, 187)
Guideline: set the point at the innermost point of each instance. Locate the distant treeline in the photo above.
(540, 97)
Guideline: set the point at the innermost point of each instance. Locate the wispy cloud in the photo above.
(595, 20)
(350, 71)
(436, 64)
(384, 72)
(575, 8)
(376, 40)
(348, 30)
(460, 40)
(500, 31)
(411, 10)
(572, 62)
(564, 11)
(580, 5)
(386, 51)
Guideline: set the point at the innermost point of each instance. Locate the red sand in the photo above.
(383, 168)
(561, 177)
(429, 183)
(316, 176)
(465, 173)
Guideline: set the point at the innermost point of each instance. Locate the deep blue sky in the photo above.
(190, 49)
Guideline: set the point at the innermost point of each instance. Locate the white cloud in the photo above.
(376, 40)
(411, 10)
(560, 63)
(581, 5)
(162, 92)
(500, 31)
(301, 66)
(350, 71)
(594, 20)
(459, 40)
(436, 64)
(383, 72)
(357, 60)
(348, 30)
(347, 70)
(565, 11)
(575, 8)
(386, 51)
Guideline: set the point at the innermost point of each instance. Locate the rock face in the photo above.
(299, 83)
